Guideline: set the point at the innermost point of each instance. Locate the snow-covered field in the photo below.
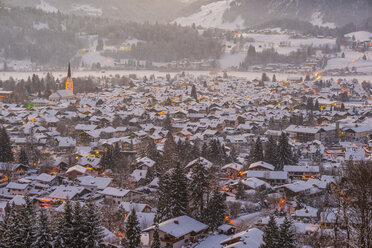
(95, 57)
(360, 35)
(40, 26)
(264, 41)
(352, 59)
(211, 16)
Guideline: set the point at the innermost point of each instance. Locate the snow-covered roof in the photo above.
(97, 182)
(114, 192)
(262, 164)
(66, 192)
(180, 226)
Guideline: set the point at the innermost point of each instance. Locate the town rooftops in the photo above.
(299, 168)
(303, 129)
(45, 177)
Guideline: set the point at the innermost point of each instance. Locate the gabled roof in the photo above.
(262, 164)
(179, 226)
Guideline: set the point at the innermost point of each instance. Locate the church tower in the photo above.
(69, 83)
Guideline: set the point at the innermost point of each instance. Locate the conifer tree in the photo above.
(258, 151)
(271, 153)
(287, 239)
(65, 226)
(170, 156)
(165, 200)
(23, 158)
(240, 192)
(156, 238)
(271, 234)
(199, 187)
(179, 192)
(78, 226)
(194, 93)
(133, 230)
(43, 237)
(8, 229)
(6, 153)
(93, 230)
(27, 223)
(167, 123)
(285, 156)
(216, 209)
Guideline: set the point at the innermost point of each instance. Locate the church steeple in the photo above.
(69, 71)
(69, 83)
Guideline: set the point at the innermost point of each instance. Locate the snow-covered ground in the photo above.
(46, 7)
(228, 60)
(360, 35)
(211, 16)
(352, 59)
(264, 41)
(95, 57)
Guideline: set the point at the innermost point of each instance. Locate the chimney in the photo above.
(176, 222)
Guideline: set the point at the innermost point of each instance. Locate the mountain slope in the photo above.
(128, 10)
(328, 13)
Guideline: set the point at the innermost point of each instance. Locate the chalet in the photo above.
(273, 178)
(117, 196)
(94, 184)
(76, 171)
(63, 193)
(305, 134)
(17, 188)
(302, 172)
(178, 232)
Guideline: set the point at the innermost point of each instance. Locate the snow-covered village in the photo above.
(233, 133)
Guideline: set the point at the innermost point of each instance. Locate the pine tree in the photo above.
(274, 78)
(23, 158)
(170, 156)
(216, 209)
(43, 237)
(9, 234)
(271, 153)
(65, 226)
(194, 93)
(179, 192)
(199, 187)
(116, 156)
(165, 201)
(167, 123)
(6, 153)
(240, 192)
(287, 239)
(78, 226)
(27, 222)
(271, 234)
(133, 230)
(156, 238)
(93, 230)
(258, 151)
(285, 156)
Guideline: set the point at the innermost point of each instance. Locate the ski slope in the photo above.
(211, 16)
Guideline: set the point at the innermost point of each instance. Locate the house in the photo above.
(75, 171)
(46, 179)
(17, 188)
(61, 95)
(301, 172)
(232, 169)
(117, 196)
(226, 229)
(63, 193)
(305, 134)
(139, 207)
(94, 184)
(273, 178)
(145, 163)
(178, 232)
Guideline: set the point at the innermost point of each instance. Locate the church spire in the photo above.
(69, 83)
(69, 71)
